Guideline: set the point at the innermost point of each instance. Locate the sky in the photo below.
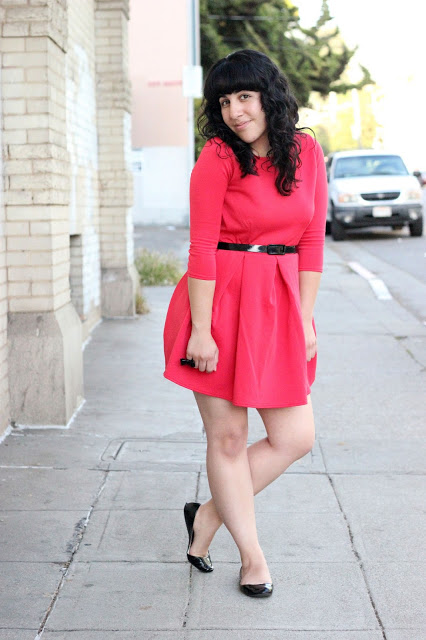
(391, 39)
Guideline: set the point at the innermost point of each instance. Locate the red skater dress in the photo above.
(256, 314)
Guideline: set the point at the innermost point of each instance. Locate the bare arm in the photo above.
(201, 346)
(309, 282)
(311, 254)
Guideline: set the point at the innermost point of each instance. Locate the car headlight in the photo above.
(414, 194)
(347, 197)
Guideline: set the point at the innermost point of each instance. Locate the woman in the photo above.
(242, 315)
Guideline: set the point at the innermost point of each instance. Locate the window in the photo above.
(356, 166)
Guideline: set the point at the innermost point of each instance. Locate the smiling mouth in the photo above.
(242, 124)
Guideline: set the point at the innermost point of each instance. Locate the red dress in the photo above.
(256, 315)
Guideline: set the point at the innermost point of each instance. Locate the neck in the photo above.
(262, 148)
(261, 153)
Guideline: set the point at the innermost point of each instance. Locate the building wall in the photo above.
(161, 114)
(114, 121)
(4, 381)
(63, 101)
(82, 147)
(158, 51)
(160, 176)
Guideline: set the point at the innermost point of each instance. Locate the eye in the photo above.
(224, 103)
(245, 95)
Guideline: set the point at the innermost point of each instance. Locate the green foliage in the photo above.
(313, 59)
(369, 128)
(337, 132)
(156, 268)
(323, 138)
(141, 304)
(199, 140)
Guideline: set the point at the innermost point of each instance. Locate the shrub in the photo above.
(141, 304)
(156, 268)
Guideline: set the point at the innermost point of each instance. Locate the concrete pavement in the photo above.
(92, 528)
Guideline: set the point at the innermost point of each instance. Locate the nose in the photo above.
(235, 109)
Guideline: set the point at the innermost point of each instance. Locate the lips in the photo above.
(242, 125)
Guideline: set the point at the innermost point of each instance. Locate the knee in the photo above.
(296, 446)
(230, 443)
(305, 444)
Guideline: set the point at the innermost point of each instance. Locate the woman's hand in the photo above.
(310, 340)
(203, 350)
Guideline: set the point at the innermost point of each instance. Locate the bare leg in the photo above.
(230, 482)
(291, 434)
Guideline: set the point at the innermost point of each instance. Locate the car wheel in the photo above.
(327, 228)
(337, 230)
(416, 228)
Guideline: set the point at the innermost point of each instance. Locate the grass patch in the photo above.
(156, 268)
(141, 304)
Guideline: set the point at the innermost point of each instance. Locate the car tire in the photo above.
(338, 232)
(327, 228)
(416, 228)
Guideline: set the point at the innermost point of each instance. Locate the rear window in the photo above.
(356, 166)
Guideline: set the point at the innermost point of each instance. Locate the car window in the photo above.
(356, 166)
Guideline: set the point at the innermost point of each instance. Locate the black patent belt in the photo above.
(272, 249)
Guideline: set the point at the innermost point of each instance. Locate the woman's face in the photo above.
(242, 112)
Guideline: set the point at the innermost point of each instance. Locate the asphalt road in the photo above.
(397, 248)
(395, 257)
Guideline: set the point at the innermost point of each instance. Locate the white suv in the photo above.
(371, 188)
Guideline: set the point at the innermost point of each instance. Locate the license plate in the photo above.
(382, 212)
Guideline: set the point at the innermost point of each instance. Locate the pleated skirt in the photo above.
(257, 326)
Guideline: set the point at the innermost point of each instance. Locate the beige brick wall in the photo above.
(34, 18)
(66, 213)
(83, 150)
(4, 382)
(36, 169)
(114, 106)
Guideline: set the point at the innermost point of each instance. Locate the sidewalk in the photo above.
(92, 528)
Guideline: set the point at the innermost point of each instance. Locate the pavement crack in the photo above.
(197, 488)
(104, 529)
(188, 602)
(79, 531)
(359, 559)
(400, 340)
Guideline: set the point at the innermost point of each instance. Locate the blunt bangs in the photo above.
(231, 76)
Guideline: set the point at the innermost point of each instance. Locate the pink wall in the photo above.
(157, 53)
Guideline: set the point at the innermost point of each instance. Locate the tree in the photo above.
(312, 59)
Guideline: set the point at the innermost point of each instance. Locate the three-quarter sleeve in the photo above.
(311, 244)
(209, 181)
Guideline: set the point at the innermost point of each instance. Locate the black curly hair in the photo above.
(254, 71)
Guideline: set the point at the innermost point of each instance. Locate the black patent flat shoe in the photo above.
(261, 590)
(203, 563)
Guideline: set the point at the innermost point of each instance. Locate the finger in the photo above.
(202, 365)
(311, 352)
